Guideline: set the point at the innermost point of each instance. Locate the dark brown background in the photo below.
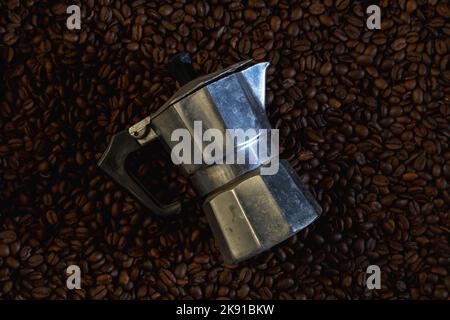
(364, 119)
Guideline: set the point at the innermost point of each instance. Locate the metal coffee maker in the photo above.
(249, 212)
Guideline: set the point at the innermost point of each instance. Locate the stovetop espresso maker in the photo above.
(248, 211)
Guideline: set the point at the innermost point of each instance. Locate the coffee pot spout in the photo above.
(255, 76)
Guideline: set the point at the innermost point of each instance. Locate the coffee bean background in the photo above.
(364, 119)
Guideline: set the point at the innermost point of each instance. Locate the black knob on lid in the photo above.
(180, 67)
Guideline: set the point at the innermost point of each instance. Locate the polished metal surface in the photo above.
(234, 101)
(200, 82)
(258, 212)
(210, 178)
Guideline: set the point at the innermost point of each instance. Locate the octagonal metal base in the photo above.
(258, 212)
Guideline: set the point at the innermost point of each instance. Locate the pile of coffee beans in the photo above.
(364, 118)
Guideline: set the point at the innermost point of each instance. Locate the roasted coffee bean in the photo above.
(4, 250)
(284, 283)
(35, 260)
(40, 292)
(7, 236)
(165, 10)
(98, 293)
(180, 271)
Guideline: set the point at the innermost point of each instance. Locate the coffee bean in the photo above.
(7, 237)
(243, 291)
(98, 292)
(259, 54)
(296, 13)
(165, 10)
(381, 84)
(364, 60)
(225, 277)
(359, 246)
(180, 271)
(288, 72)
(342, 4)
(284, 283)
(35, 260)
(124, 278)
(250, 15)
(440, 293)
(275, 23)
(410, 176)
(317, 8)
(389, 226)
(399, 44)
(104, 279)
(4, 250)
(411, 6)
(201, 258)
(265, 293)
(347, 281)
(167, 277)
(314, 136)
(441, 271)
(326, 68)
(380, 180)
(417, 96)
(40, 292)
(51, 216)
(362, 131)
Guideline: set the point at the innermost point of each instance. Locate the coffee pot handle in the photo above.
(122, 145)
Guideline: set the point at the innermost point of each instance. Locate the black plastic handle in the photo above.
(180, 67)
(113, 161)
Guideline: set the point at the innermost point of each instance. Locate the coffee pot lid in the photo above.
(199, 83)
